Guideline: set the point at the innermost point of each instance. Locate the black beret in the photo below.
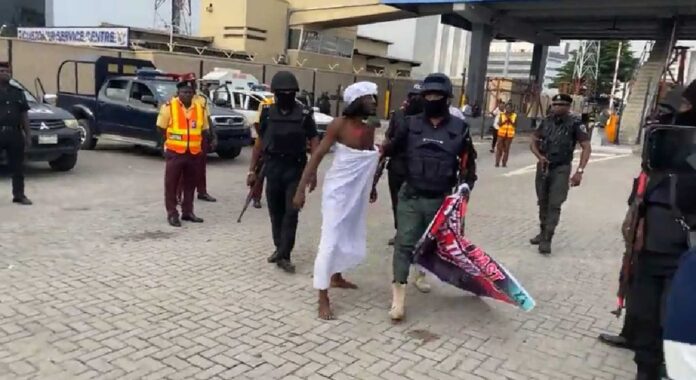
(186, 83)
(4, 64)
(562, 99)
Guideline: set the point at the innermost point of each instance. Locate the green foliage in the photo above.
(607, 62)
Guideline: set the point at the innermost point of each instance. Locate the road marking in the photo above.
(599, 158)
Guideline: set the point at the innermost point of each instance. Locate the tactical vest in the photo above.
(558, 140)
(285, 134)
(433, 155)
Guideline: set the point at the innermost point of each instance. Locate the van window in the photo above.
(138, 90)
(116, 89)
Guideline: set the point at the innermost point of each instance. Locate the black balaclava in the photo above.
(285, 100)
(436, 108)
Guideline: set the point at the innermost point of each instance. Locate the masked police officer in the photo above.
(553, 145)
(669, 212)
(285, 127)
(15, 135)
(439, 155)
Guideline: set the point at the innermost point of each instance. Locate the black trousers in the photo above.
(282, 179)
(396, 180)
(649, 289)
(12, 142)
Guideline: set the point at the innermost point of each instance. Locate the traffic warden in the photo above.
(15, 135)
(670, 213)
(439, 154)
(554, 145)
(285, 127)
(184, 123)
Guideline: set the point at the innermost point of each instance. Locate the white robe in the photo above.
(346, 194)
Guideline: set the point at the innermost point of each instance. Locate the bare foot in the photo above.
(337, 281)
(325, 312)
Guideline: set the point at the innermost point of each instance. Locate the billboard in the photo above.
(86, 36)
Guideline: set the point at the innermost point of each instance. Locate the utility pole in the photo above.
(616, 76)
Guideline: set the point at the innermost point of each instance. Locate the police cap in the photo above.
(284, 81)
(562, 100)
(416, 89)
(186, 84)
(437, 83)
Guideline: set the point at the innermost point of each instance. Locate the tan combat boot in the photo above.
(398, 300)
(422, 282)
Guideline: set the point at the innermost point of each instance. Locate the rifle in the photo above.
(254, 191)
(380, 170)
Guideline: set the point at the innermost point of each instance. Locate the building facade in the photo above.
(513, 60)
(15, 13)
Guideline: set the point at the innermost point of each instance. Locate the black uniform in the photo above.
(284, 138)
(557, 138)
(13, 104)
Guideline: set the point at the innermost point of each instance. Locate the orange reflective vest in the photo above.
(185, 130)
(507, 125)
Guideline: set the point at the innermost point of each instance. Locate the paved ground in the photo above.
(95, 285)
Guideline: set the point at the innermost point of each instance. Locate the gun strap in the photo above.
(677, 212)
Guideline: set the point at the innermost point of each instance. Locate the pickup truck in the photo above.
(55, 136)
(127, 97)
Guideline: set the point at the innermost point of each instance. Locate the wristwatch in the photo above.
(581, 170)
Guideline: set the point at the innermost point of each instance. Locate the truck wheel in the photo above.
(87, 139)
(230, 153)
(64, 163)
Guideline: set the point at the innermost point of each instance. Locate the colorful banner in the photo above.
(445, 252)
(106, 37)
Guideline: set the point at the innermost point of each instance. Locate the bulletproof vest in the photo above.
(433, 153)
(285, 134)
(558, 140)
(670, 209)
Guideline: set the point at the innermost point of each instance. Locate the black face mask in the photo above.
(285, 100)
(415, 106)
(436, 108)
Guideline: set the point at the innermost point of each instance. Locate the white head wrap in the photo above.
(358, 90)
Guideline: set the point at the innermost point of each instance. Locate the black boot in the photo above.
(537, 239)
(286, 265)
(545, 243)
(614, 340)
(274, 257)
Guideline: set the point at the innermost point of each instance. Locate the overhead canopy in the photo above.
(549, 21)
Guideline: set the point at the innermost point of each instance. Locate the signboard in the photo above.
(105, 37)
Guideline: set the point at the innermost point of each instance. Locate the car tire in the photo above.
(87, 139)
(229, 153)
(64, 163)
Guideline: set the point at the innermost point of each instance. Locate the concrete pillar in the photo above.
(538, 68)
(481, 36)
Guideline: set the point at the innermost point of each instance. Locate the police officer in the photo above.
(439, 155)
(553, 145)
(666, 239)
(413, 105)
(15, 135)
(285, 127)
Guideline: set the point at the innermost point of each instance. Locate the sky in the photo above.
(137, 13)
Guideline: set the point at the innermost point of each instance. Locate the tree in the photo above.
(607, 63)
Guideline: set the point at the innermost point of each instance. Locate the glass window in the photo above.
(311, 41)
(30, 97)
(116, 89)
(294, 39)
(138, 90)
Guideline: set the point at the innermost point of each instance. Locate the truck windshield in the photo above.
(30, 97)
(165, 90)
